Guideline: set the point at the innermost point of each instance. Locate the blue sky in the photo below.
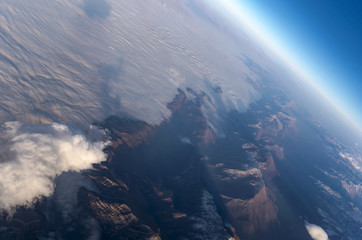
(322, 37)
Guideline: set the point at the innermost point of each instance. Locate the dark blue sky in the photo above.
(324, 36)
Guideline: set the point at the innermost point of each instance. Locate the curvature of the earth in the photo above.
(204, 135)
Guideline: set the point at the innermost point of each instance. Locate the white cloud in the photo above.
(316, 232)
(36, 155)
(185, 140)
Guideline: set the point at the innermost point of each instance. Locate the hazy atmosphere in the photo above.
(169, 119)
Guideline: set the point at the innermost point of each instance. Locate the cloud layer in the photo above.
(316, 232)
(59, 65)
(36, 155)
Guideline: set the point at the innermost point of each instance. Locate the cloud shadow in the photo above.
(97, 8)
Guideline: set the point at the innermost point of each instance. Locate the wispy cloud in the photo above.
(66, 192)
(94, 231)
(36, 155)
